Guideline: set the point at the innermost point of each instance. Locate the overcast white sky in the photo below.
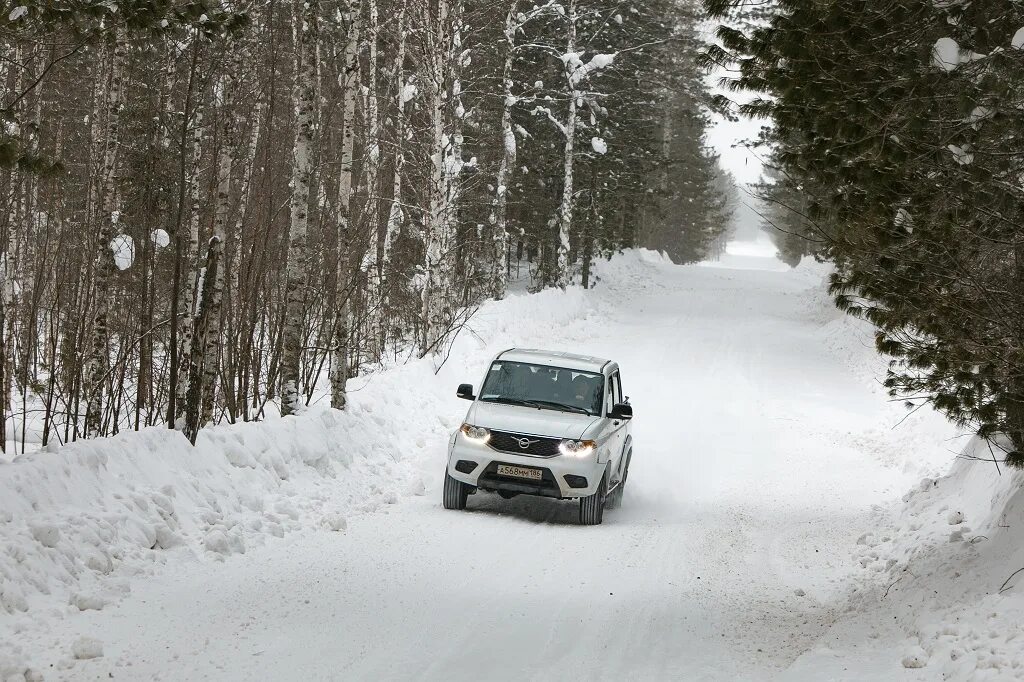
(727, 137)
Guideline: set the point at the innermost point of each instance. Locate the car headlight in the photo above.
(476, 434)
(577, 448)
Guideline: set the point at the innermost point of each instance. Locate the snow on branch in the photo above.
(579, 71)
(547, 112)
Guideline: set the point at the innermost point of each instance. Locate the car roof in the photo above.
(554, 358)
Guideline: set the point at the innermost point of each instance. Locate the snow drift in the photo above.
(952, 570)
(77, 522)
(74, 515)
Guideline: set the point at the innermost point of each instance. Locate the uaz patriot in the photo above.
(544, 423)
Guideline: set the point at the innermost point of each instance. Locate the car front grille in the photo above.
(547, 486)
(537, 446)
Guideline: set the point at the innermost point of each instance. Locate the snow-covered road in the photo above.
(762, 442)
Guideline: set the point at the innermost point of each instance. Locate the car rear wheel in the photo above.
(455, 493)
(592, 506)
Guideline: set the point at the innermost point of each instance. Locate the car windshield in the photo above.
(542, 386)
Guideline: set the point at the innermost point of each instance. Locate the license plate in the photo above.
(520, 472)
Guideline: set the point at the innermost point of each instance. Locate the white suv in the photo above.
(544, 423)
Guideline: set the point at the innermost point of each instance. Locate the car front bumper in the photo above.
(563, 476)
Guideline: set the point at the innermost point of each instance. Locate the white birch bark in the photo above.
(212, 337)
(499, 205)
(396, 214)
(204, 318)
(349, 84)
(438, 297)
(306, 37)
(190, 280)
(371, 264)
(8, 293)
(562, 275)
(98, 361)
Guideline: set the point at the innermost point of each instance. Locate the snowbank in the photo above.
(78, 523)
(942, 593)
(949, 565)
(71, 517)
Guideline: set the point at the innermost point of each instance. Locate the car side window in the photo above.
(614, 393)
(618, 388)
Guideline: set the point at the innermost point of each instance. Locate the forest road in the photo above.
(759, 453)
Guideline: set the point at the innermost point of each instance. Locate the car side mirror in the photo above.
(622, 411)
(465, 391)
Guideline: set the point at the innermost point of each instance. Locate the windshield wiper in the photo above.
(539, 404)
(509, 401)
(561, 406)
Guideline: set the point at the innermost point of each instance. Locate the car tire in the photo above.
(592, 506)
(455, 493)
(615, 499)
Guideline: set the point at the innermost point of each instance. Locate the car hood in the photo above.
(529, 420)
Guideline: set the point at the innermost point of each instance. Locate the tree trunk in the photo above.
(349, 83)
(232, 382)
(105, 269)
(439, 225)
(203, 325)
(306, 37)
(499, 205)
(180, 313)
(187, 291)
(371, 264)
(210, 341)
(396, 214)
(563, 276)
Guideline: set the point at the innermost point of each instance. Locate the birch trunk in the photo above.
(306, 37)
(396, 214)
(349, 83)
(446, 165)
(371, 264)
(204, 322)
(210, 341)
(161, 140)
(98, 362)
(233, 385)
(8, 293)
(499, 205)
(187, 293)
(562, 274)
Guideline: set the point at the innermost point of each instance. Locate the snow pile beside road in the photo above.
(942, 593)
(79, 523)
(952, 566)
(72, 517)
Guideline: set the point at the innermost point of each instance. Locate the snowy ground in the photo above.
(316, 548)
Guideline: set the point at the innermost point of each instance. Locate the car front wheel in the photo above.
(592, 506)
(455, 493)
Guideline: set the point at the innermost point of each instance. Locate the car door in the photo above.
(617, 427)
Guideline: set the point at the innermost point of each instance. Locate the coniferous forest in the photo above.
(896, 153)
(210, 209)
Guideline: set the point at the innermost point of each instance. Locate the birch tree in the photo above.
(348, 85)
(371, 266)
(210, 340)
(104, 269)
(403, 93)
(571, 60)
(208, 130)
(444, 53)
(305, 97)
